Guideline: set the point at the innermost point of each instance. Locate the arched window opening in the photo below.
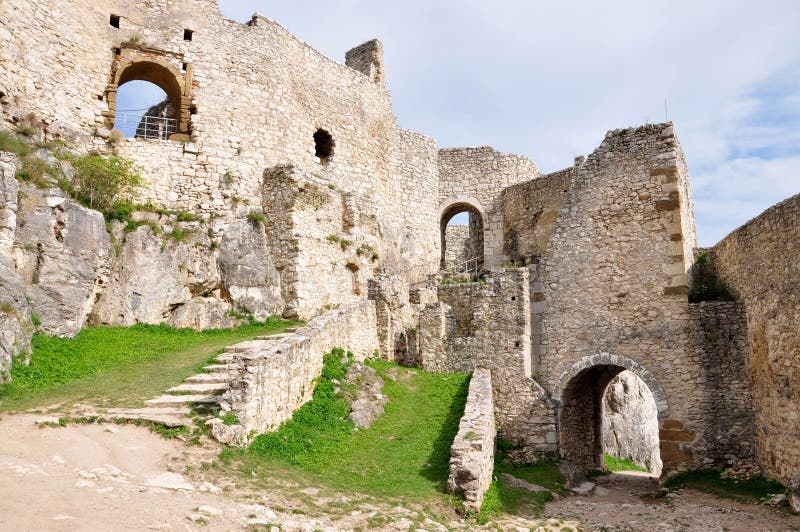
(148, 97)
(144, 111)
(323, 146)
(462, 239)
(609, 414)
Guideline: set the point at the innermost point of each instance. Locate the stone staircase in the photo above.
(176, 407)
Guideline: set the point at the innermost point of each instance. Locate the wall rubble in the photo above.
(472, 452)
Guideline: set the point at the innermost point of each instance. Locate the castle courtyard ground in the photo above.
(121, 477)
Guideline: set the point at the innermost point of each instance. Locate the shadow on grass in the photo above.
(438, 463)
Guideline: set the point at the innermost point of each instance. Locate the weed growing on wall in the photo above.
(707, 286)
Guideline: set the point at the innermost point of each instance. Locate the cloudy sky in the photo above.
(546, 79)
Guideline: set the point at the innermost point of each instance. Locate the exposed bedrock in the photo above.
(156, 274)
(247, 272)
(63, 253)
(630, 422)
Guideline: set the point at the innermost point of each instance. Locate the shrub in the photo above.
(256, 216)
(707, 286)
(26, 129)
(33, 170)
(36, 320)
(9, 142)
(102, 182)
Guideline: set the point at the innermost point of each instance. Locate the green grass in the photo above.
(619, 464)
(404, 456)
(711, 481)
(117, 366)
(501, 499)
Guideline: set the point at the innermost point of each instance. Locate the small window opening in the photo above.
(100, 97)
(117, 51)
(193, 109)
(187, 35)
(323, 146)
(183, 66)
(114, 21)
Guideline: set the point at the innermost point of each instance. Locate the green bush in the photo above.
(707, 286)
(103, 182)
(256, 216)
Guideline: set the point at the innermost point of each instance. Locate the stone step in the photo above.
(245, 347)
(225, 358)
(273, 337)
(204, 378)
(203, 387)
(167, 420)
(219, 368)
(171, 400)
(155, 411)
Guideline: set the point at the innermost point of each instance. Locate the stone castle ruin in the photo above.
(313, 203)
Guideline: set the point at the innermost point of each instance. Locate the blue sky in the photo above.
(547, 79)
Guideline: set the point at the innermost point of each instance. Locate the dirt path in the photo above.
(619, 505)
(121, 477)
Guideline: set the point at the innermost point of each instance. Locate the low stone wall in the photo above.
(472, 453)
(273, 378)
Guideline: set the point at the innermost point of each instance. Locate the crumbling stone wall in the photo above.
(477, 177)
(255, 95)
(613, 276)
(272, 379)
(760, 263)
(472, 452)
(530, 211)
(487, 325)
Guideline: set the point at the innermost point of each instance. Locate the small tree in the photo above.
(102, 181)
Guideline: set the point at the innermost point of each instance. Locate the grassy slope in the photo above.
(403, 456)
(501, 499)
(117, 366)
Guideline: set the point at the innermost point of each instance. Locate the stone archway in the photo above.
(578, 395)
(134, 63)
(466, 245)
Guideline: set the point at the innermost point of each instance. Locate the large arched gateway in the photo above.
(579, 396)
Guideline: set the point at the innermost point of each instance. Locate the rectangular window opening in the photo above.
(187, 35)
(114, 21)
(183, 66)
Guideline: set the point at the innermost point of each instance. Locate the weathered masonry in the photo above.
(309, 201)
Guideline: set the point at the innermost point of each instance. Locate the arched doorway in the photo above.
(582, 392)
(137, 81)
(462, 233)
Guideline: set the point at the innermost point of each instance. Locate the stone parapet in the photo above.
(472, 452)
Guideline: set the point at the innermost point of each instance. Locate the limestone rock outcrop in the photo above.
(63, 253)
(247, 271)
(156, 274)
(15, 321)
(630, 422)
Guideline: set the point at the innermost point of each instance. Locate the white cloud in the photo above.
(547, 79)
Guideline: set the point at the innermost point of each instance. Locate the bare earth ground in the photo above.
(120, 477)
(620, 506)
